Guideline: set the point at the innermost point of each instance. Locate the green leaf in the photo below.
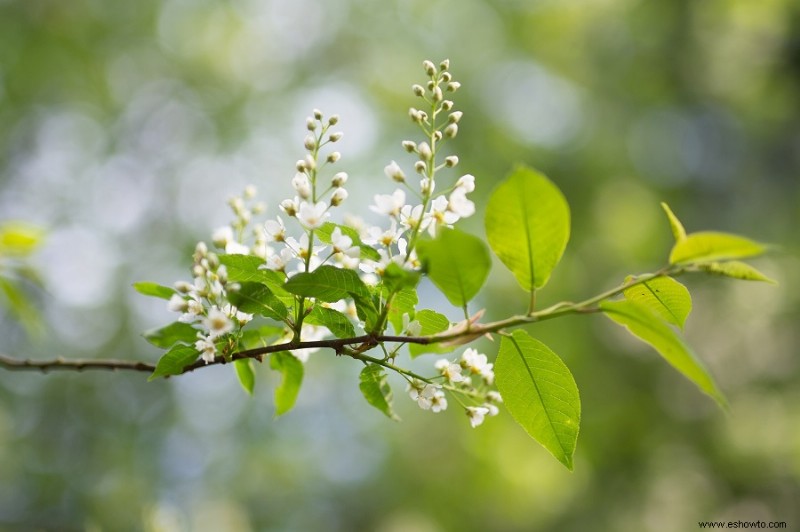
(457, 263)
(20, 305)
(540, 393)
(260, 336)
(736, 270)
(324, 234)
(255, 298)
(677, 227)
(432, 323)
(291, 370)
(174, 361)
(245, 268)
(339, 324)
(327, 283)
(175, 332)
(374, 386)
(708, 246)
(396, 278)
(404, 302)
(19, 239)
(665, 296)
(246, 374)
(367, 311)
(651, 329)
(153, 289)
(527, 226)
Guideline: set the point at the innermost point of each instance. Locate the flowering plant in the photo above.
(286, 287)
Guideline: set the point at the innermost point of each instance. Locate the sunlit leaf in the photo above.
(736, 270)
(336, 322)
(665, 296)
(291, 370)
(256, 298)
(175, 332)
(153, 289)
(174, 361)
(19, 239)
(404, 302)
(432, 323)
(540, 393)
(396, 278)
(246, 374)
(247, 268)
(375, 387)
(651, 329)
(707, 246)
(327, 283)
(677, 227)
(527, 226)
(457, 263)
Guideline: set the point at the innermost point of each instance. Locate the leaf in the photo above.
(432, 323)
(175, 332)
(246, 374)
(527, 226)
(367, 311)
(327, 283)
(261, 336)
(20, 305)
(339, 324)
(736, 270)
(246, 268)
(540, 393)
(374, 386)
(396, 278)
(707, 246)
(174, 361)
(651, 329)
(404, 302)
(19, 239)
(677, 227)
(367, 252)
(291, 370)
(665, 296)
(457, 263)
(153, 289)
(255, 298)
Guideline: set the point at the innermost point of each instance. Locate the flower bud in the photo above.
(437, 135)
(451, 161)
(424, 151)
(335, 137)
(444, 65)
(437, 94)
(300, 165)
(429, 67)
(451, 131)
(289, 207)
(420, 167)
(455, 117)
(446, 77)
(317, 114)
(311, 124)
(339, 179)
(410, 146)
(426, 186)
(334, 156)
(447, 105)
(394, 172)
(333, 120)
(310, 163)
(418, 90)
(453, 86)
(250, 192)
(339, 195)
(310, 142)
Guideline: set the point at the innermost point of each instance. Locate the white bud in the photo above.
(455, 117)
(335, 137)
(437, 135)
(333, 120)
(310, 142)
(302, 185)
(447, 105)
(424, 151)
(410, 146)
(310, 163)
(420, 167)
(426, 186)
(451, 131)
(250, 192)
(300, 166)
(453, 86)
(444, 65)
(446, 77)
(437, 94)
(334, 156)
(429, 67)
(339, 179)
(339, 195)
(451, 161)
(394, 172)
(311, 124)
(418, 90)
(317, 114)
(289, 207)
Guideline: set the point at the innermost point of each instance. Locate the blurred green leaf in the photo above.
(457, 263)
(528, 225)
(375, 387)
(432, 323)
(175, 332)
(255, 298)
(396, 278)
(709, 246)
(291, 370)
(339, 324)
(19, 305)
(540, 393)
(260, 336)
(19, 239)
(153, 289)
(651, 329)
(665, 296)
(174, 360)
(246, 374)
(736, 270)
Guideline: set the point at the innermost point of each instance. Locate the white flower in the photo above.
(375, 235)
(459, 203)
(344, 244)
(450, 371)
(476, 414)
(494, 397)
(441, 215)
(222, 235)
(389, 204)
(313, 216)
(394, 172)
(477, 364)
(275, 230)
(411, 218)
(411, 328)
(177, 304)
(466, 182)
(422, 393)
(302, 185)
(493, 410)
(278, 261)
(426, 186)
(438, 401)
(217, 322)
(193, 311)
(235, 248)
(207, 348)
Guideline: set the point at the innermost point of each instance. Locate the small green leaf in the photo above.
(651, 329)
(736, 270)
(457, 263)
(174, 361)
(540, 393)
(367, 311)
(19, 239)
(248, 268)
(175, 332)
(367, 252)
(339, 324)
(260, 336)
(291, 370)
(153, 289)
(255, 298)
(404, 302)
(246, 374)
(395, 278)
(708, 246)
(432, 323)
(527, 226)
(677, 227)
(327, 283)
(374, 386)
(665, 296)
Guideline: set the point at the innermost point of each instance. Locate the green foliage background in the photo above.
(125, 125)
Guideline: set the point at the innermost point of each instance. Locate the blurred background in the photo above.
(124, 126)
